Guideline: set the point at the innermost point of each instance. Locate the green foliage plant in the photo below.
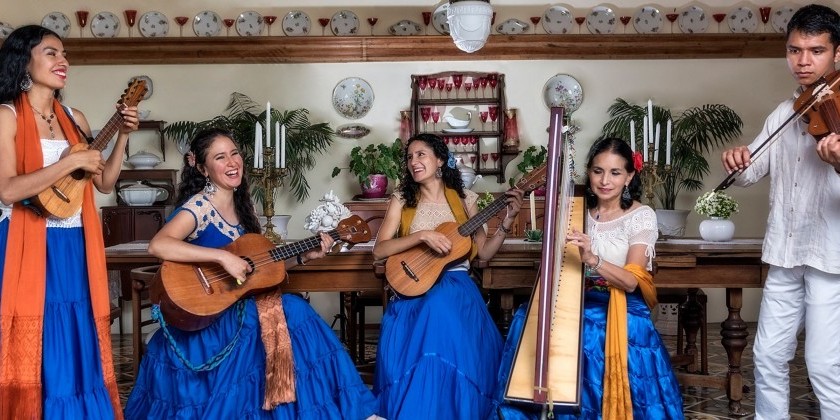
(382, 158)
(531, 158)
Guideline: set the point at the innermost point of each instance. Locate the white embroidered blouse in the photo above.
(612, 240)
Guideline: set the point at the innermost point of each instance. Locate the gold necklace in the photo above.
(48, 120)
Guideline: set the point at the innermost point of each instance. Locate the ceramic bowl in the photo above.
(143, 114)
(143, 160)
(142, 195)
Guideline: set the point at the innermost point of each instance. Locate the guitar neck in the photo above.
(482, 217)
(107, 132)
(290, 250)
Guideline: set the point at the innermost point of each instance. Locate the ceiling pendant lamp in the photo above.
(469, 23)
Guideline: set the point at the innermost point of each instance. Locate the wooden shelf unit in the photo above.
(333, 49)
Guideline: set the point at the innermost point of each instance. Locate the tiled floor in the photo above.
(700, 403)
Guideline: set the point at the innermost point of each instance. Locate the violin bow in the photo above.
(730, 179)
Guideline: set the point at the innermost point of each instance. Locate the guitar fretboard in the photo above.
(290, 250)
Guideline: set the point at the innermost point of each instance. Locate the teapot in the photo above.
(143, 160)
(468, 175)
(141, 194)
(458, 123)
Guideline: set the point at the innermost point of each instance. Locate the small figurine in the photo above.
(326, 216)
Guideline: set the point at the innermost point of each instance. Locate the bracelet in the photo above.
(504, 229)
(300, 260)
(598, 265)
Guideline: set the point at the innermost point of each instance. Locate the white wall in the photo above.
(752, 87)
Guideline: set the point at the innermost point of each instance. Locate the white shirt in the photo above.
(803, 227)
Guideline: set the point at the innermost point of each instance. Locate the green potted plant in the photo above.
(695, 132)
(304, 140)
(374, 166)
(718, 207)
(531, 158)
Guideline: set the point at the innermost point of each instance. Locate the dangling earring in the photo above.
(439, 172)
(625, 195)
(209, 187)
(26, 83)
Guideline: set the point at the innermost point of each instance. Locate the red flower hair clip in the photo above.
(638, 161)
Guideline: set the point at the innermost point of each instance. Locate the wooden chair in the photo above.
(691, 319)
(141, 278)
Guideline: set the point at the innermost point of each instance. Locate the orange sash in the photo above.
(455, 204)
(24, 283)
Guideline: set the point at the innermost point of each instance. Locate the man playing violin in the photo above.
(802, 288)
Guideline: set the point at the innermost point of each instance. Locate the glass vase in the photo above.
(511, 138)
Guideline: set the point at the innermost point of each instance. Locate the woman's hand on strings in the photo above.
(513, 199)
(437, 241)
(235, 266)
(584, 244)
(736, 159)
(320, 252)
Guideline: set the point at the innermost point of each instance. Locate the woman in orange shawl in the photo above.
(55, 348)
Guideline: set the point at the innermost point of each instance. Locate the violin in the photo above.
(818, 106)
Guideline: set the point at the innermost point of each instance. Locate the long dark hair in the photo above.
(192, 181)
(620, 148)
(15, 55)
(451, 176)
(815, 19)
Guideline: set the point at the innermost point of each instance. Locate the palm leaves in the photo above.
(304, 141)
(695, 132)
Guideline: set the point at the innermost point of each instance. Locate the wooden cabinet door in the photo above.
(147, 222)
(117, 226)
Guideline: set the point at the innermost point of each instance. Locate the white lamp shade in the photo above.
(469, 24)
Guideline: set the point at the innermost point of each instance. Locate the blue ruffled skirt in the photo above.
(328, 385)
(438, 354)
(653, 385)
(73, 385)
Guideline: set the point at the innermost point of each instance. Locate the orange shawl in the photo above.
(24, 283)
(617, 403)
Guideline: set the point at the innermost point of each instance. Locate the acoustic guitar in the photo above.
(192, 296)
(64, 198)
(414, 271)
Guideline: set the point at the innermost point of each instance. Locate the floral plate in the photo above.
(249, 23)
(648, 20)
(352, 131)
(439, 19)
(601, 20)
(5, 29)
(563, 90)
(296, 23)
(405, 27)
(780, 18)
(693, 20)
(743, 20)
(153, 25)
(512, 27)
(344, 22)
(57, 22)
(105, 25)
(558, 20)
(353, 97)
(207, 23)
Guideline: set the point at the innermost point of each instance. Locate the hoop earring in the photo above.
(26, 83)
(439, 172)
(625, 195)
(209, 187)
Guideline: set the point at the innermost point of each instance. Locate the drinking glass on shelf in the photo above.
(495, 157)
(719, 17)
(228, 24)
(483, 82)
(457, 80)
(432, 85)
(580, 20)
(468, 87)
(624, 21)
(474, 143)
(456, 140)
(130, 20)
(446, 142)
(493, 80)
(324, 22)
(672, 17)
(449, 90)
(425, 113)
(493, 111)
(535, 20)
(441, 84)
(422, 83)
(372, 21)
(427, 19)
(765, 16)
(81, 19)
(482, 115)
(472, 160)
(484, 157)
(268, 21)
(435, 119)
(181, 21)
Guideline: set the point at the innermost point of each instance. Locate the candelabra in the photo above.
(270, 178)
(653, 176)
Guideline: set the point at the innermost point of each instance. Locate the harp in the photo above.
(546, 367)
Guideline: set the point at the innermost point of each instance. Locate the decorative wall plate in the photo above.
(601, 20)
(249, 23)
(5, 29)
(693, 20)
(780, 18)
(296, 23)
(352, 131)
(353, 97)
(344, 22)
(512, 27)
(57, 22)
(742, 20)
(153, 25)
(405, 27)
(648, 20)
(563, 90)
(558, 20)
(439, 20)
(207, 23)
(105, 25)
(149, 85)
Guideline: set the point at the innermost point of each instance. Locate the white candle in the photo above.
(668, 143)
(650, 120)
(268, 124)
(645, 140)
(283, 146)
(277, 144)
(258, 146)
(533, 212)
(656, 143)
(633, 136)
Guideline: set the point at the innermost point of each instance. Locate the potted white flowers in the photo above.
(717, 206)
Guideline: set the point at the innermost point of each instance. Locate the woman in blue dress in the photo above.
(618, 250)
(56, 342)
(438, 353)
(221, 371)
